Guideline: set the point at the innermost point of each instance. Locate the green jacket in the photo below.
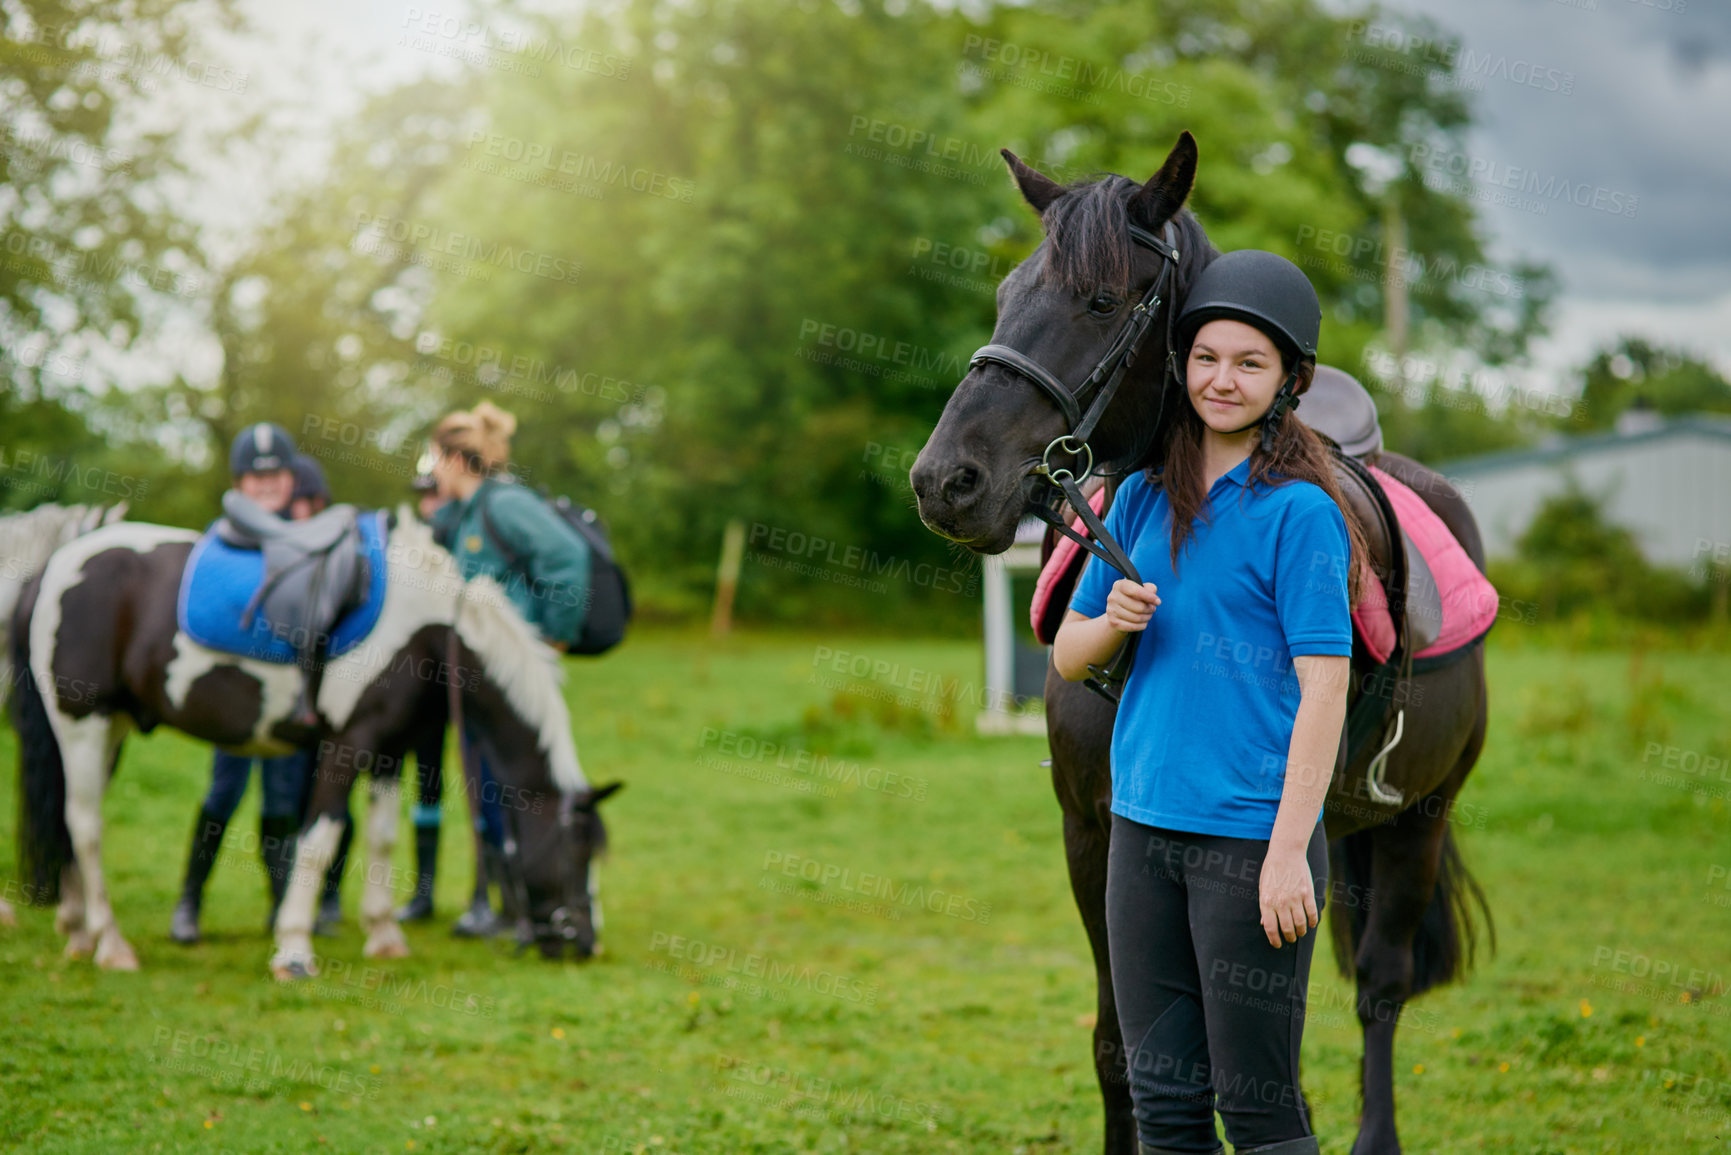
(551, 587)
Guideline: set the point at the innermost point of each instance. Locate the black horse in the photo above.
(1401, 898)
(99, 651)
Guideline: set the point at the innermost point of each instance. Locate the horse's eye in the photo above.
(1103, 305)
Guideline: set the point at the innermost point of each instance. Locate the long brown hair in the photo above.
(1297, 454)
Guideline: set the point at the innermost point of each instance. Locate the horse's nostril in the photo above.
(962, 482)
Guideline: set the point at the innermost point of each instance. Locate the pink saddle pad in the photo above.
(1469, 601)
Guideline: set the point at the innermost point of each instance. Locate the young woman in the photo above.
(1229, 723)
(263, 463)
(486, 520)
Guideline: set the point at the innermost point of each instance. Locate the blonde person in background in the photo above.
(495, 526)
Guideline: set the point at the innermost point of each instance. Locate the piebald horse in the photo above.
(98, 635)
(1061, 312)
(26, 540)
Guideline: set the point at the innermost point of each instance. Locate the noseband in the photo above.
(1054, 484)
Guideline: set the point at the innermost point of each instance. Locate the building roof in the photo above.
(1566, 448)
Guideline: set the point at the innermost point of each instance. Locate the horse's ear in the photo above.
(1159, 200)
(1037, 188)
(603, 792)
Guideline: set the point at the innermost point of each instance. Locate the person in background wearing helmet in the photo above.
(1230, 721)
(312, 493)
(484, 512)
(429, 753)
(312, 496)
(262, 462)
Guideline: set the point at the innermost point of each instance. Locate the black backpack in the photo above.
(609, 592)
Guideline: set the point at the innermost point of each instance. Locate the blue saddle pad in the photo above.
(220, 580)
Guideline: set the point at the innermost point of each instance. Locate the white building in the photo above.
(1015, 661)
(1667, 481)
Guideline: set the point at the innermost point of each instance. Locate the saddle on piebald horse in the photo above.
(285, 591)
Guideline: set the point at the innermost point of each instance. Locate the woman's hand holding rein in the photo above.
(1130, 606)
(1084, 641)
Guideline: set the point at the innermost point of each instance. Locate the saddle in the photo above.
(1342, 410)
(314, 571)
(282, 591)
(1422, 602)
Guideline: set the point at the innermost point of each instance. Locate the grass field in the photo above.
(740, 1009)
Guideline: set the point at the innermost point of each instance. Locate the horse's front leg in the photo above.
(333, 778)
(378, 907)
(88, 747)
(69, 914)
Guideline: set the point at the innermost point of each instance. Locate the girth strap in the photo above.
(1368, 718)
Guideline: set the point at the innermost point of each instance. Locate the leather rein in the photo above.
(1054, 484)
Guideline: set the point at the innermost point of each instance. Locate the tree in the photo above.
(1572, 560)
(94, 248)
(92, 234)
(726, 259)
(1635, 371)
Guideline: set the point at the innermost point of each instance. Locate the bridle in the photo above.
(1054, 484)
(561, 926)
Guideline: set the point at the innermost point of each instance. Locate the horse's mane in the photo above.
(1089, 233)
(26, 539)
(1089, 250)
(524, 668)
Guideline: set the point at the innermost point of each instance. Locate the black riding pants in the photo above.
(1211, 1014)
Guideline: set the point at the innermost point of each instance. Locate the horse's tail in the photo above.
(1447, 939)
(44, 843)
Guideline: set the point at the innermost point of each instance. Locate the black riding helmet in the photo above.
(262, 448)
(310, 480)
(1264, 290)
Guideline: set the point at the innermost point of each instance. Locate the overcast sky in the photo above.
(1627, 103)
(1649, 116)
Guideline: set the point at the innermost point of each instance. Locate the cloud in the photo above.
(1646, 118)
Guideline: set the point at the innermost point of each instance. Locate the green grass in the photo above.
(886, 1026)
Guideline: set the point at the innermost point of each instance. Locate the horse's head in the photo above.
(557, 864)
(1063, 308)
(514, 711)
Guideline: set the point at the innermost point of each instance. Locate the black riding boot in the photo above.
(479, 921)
(420, 907)
(330, 915)
(1304, 1145)
(206, 841)
(1144, 1149)
(276, 849)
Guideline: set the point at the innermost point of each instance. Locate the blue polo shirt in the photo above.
(1205, 721)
